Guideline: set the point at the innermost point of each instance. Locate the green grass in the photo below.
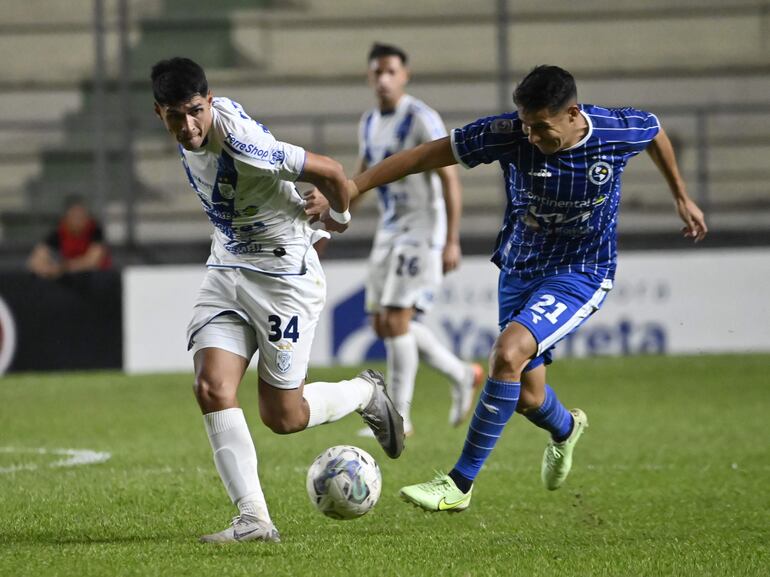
(672, 478)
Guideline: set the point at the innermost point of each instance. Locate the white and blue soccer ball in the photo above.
(344, 482)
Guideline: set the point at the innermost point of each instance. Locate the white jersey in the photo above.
(411, 209)
(244, 178)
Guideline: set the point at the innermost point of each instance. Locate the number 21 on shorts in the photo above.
(547, 307)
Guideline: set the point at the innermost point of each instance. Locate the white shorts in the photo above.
(403, 276)
(242, 311)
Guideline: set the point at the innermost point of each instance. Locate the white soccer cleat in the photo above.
(367, 433)
(557, 459)
(382, 417)
(463, 393)
(245, 528)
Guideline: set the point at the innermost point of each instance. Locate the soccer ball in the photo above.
(344, 482)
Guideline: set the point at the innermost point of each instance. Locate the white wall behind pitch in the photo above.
(674, 302)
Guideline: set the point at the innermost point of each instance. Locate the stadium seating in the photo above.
(299, 68)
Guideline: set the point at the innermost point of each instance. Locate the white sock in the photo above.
(236, 460)
(437, 355)
(402, 369)
(330, 402)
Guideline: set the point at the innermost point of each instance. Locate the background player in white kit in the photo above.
(264, 288)
(417, 237)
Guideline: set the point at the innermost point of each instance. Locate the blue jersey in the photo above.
(562, 209)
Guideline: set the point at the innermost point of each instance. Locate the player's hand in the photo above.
(692, 216)
(330, 224)
(315, 205)
(451, 256)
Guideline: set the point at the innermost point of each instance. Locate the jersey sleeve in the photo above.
(486, 140)
(429, 125)
(364, 128)
(638, 129)
(255, 147)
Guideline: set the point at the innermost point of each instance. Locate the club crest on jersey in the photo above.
(502, 126)
(226, 190)
(283, 359)
(600, 172)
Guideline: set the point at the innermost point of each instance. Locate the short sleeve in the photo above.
(486, 140)
(429, 125)
(364, 128)
(636, 129)
(255, 147)
(650, 127)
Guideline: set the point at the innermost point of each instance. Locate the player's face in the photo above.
(550, 131)
(188, 122)
(388, 76)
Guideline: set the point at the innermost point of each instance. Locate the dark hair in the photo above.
(178, 80)
(382, 50)
(548, 87)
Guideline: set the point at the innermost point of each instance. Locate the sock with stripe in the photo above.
(552, 416)
(496, 405)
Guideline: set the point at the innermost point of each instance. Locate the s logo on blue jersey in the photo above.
(600, 172)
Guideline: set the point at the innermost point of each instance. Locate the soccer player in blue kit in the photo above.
(562, 164)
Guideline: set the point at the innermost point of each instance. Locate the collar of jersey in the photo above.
(403, 101)
(586, 137)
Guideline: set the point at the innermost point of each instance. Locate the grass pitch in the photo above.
(672, 478)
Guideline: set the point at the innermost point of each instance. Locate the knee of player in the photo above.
(209, 391)
(507, 357)
(283, 424)
(393, 325)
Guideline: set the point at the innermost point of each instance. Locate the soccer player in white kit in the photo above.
(417, 238)
(264, 289)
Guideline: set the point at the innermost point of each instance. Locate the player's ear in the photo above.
(157, 110)
(574, 112)
(209, 97)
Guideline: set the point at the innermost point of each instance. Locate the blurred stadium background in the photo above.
(77, 114)
(673, 477)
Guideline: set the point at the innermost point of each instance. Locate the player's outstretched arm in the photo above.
(316, 204)
(662, 154)
(329, 178)
(452, 191)
(427, 156)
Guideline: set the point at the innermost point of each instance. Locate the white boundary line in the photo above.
(71, 458)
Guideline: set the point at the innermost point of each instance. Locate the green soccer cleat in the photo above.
(438, 494)
(557, 459)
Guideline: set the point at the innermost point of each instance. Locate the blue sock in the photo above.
(496, 405)
(552, 416)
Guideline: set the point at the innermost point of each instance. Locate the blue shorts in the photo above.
(550, 307)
